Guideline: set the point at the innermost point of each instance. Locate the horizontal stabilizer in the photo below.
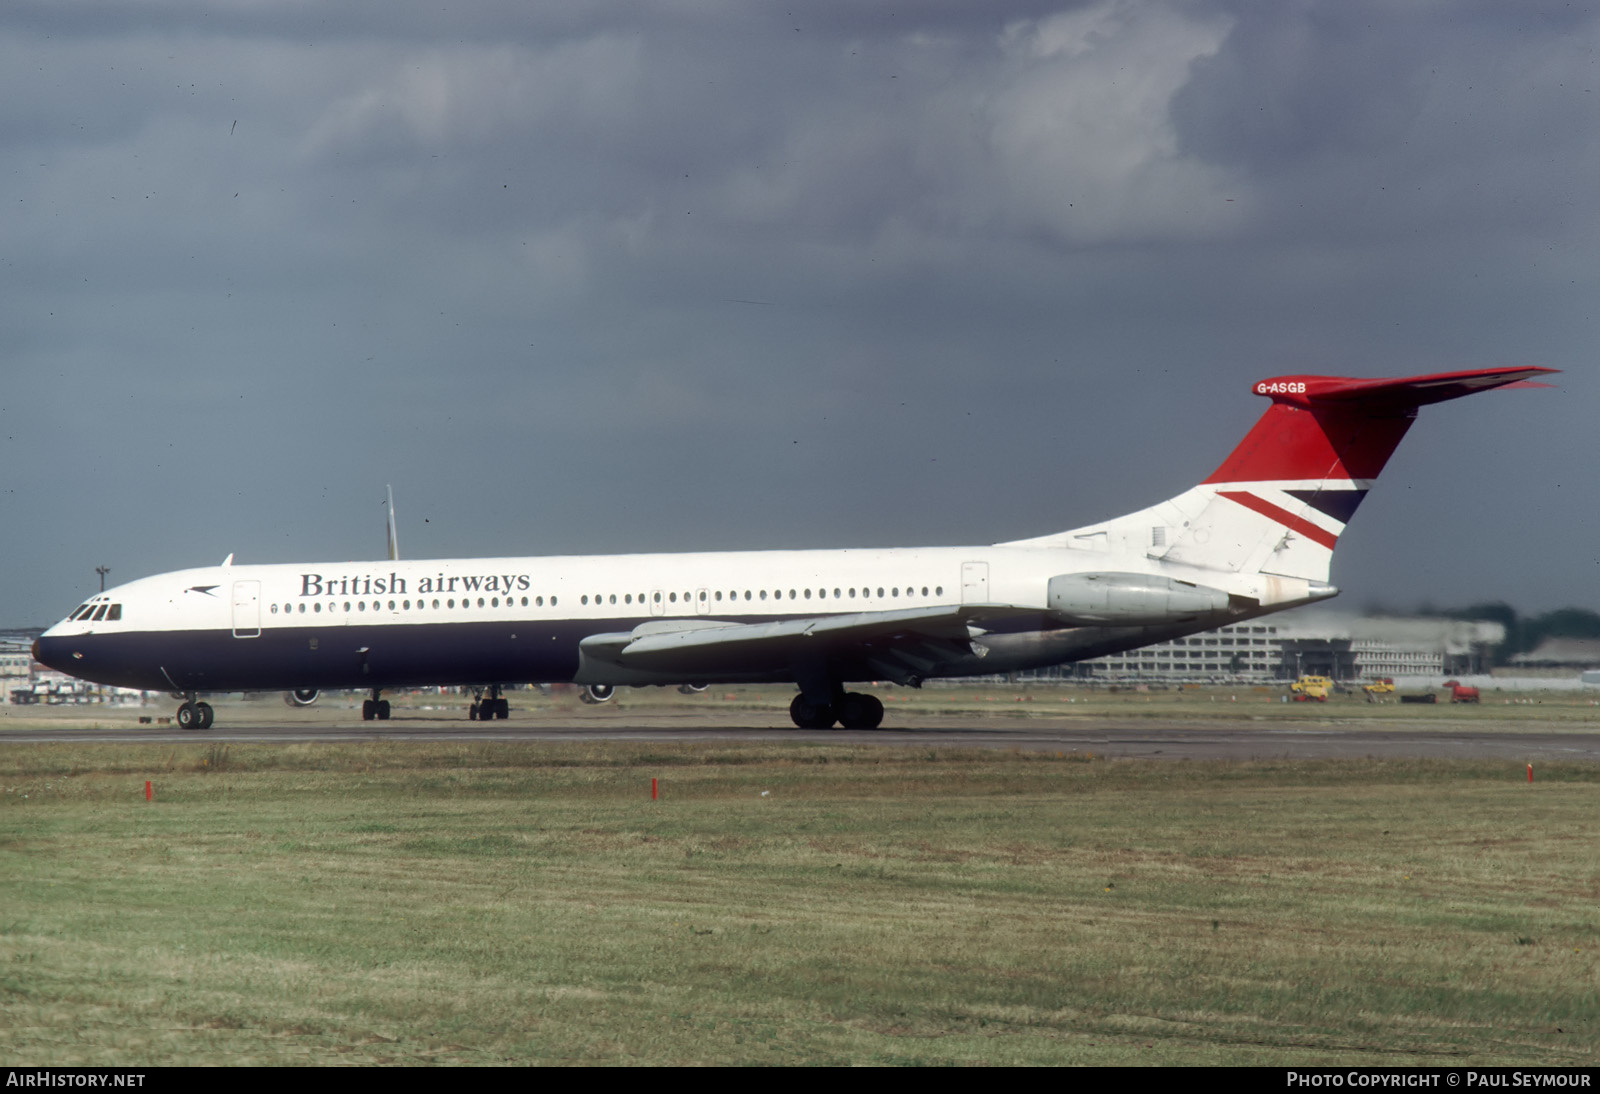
(1409, 391)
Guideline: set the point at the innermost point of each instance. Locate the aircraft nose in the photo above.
(48, 651)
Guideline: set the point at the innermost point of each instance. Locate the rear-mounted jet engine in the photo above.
(1131, 600)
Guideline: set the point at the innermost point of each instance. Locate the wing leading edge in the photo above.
(903, 645)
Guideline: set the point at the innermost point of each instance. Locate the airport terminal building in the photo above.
(1353, 648)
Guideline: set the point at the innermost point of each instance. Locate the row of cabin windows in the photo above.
(539, 601)
(707, 596)
(421, 605)
(94, 613)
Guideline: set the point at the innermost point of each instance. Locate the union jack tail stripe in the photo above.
(1282, 516)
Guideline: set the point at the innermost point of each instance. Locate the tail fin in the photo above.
(1279, 502)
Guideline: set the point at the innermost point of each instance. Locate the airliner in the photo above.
(1257, 536)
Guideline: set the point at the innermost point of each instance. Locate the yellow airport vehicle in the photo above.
(1311, 689)
(1379, 689)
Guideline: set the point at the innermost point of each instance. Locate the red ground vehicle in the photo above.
(1460, 693)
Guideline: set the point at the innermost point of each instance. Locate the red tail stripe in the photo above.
(1290, 443)
(1282, 516)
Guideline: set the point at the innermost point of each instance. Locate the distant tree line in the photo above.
(1523, 632)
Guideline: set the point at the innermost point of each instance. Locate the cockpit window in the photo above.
(114, 613)
(81, 612)
(100, 613)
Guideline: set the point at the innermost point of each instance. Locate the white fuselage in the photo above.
(468, 621)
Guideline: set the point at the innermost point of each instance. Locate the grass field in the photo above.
(528, 903)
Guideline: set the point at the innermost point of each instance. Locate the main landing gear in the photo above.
(193, 715)
(485, 710)
(375, 708)
(851, 709)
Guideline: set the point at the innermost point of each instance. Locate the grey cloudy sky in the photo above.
(625, 276)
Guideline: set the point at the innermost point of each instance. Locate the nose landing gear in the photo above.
(375, 708)
(193, 715)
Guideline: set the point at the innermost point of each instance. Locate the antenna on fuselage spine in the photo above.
(394, 538)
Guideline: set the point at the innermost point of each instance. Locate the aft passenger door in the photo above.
(974, 583)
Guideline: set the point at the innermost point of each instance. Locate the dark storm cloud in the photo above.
(1365, 119)
(625, 276)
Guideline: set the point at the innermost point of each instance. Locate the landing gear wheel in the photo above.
(206, 714)
(809, 715)
(500, 708)
(861, 711)
(472, 712)
(188, 717)
(383, 710)
(368, 710)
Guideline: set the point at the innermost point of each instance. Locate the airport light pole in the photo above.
(102, 571)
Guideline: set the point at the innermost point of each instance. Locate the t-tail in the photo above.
(1280, 501)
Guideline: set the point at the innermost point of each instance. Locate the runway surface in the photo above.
(1208, 739)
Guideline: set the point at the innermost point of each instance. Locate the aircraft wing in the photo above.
(896, 645)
